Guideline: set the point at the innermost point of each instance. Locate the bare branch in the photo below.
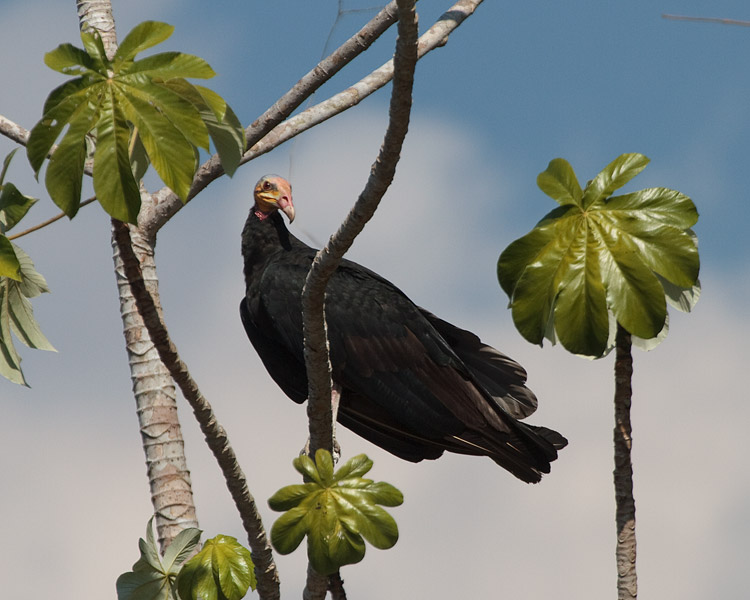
(13, 131)
(319, 400)
(706, 20)
(281, 109)
(216, 437)
(434, 37)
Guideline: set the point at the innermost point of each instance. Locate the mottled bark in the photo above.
(156, 406)
(320, 398)
(215, 435)
(627, 583)
(97, 15)
(328, 259)
(155, 397)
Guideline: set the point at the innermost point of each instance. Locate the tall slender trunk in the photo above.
(627, 582)
(155, 396)
(156, 406)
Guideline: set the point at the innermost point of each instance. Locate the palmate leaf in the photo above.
(222, 570)
(17, 316)
(336, 511)
(117, 100)
(18, 282)
(13, 206)
(154, 577)
(599, 259)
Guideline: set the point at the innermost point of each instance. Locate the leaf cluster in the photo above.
(598, 260)
(154, 577)
(222, 570)
(19, 281)
(126, 113)
(335, 511)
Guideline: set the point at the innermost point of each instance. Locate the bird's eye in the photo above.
(266, 185)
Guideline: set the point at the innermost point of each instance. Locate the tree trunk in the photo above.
(627, 582)
(156, 406)
(155, 397)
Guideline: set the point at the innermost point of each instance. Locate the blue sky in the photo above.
(517, 85)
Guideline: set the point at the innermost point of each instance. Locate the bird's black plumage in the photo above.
(411, 383)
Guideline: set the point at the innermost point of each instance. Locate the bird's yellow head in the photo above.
(272, 193)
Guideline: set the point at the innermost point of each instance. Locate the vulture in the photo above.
(409, 382)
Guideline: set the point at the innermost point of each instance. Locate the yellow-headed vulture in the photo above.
(410, 382)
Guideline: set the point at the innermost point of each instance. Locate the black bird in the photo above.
(410, 382)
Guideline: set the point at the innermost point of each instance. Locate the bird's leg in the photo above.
(335, 399)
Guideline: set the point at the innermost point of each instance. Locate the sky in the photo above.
(517, 85)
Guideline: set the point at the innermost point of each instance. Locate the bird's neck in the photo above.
(262, 238)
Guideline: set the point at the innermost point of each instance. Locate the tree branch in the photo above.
(328, 259)
(281, 109)
(627, 581)
(13, 131)
(216, 437)
(435, 37)
(317, 360)
(706, 20)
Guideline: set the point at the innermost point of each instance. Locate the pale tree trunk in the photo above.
(97, 15)
(156, 406)
(155, 396)
(627, 582)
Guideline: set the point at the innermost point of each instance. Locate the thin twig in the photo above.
(706, 20)
(317, 360)
(216, 436)
(48, 221)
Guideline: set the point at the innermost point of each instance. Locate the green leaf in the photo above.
(151, 577)
(64, 177)
(586, 267)
(6, 164)
(169, 65)
(10, 362)
(142, 37)
(222, 570)
(69, 60)
(223, 125)
(32, 282)
(560, 182)
(114, 184)
(9, 265)
(139, 161)
(615, 175)
(63, 102)
(336, 511)
(93, 45)
(16, 315)
(170, 153)
(23, 323)
(581, 304)
(181, 548)
(180, 112)
(110, 102)
(13, 206)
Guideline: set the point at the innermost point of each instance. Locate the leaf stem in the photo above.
(48, 221)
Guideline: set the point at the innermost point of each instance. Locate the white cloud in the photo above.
(72, 470)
